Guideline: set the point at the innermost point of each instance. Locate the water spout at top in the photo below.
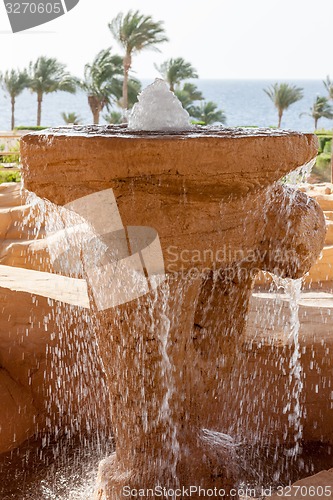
(158, 109)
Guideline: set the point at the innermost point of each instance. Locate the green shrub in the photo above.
(247, 126)
(14, 158)
(9, 176)
(23, 127)
(322, 169)
(328, 147)
(321, 141)
(324, 136)
(322, 131)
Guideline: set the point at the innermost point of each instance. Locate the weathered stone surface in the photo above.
(169, 355)
(70, 163)
(321, 272)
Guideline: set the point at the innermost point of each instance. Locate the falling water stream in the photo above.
(293, 408)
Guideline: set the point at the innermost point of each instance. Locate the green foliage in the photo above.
(100, 75)
(321, 108)
(14, 158)
(48, 75)
(135, 31)
(71, 118)
(321, 143)
(133, 90)
(29, 127)
(14, 82)
(322, 169)
(283, 95)
(324, 136)
(7, 176)
(321, 172)
(189, 94)
(322, 131)
(329, 86)
(101, 81)
(208, 113)
(175, 71)
(328, 147)
(197, 122)
(114, 117)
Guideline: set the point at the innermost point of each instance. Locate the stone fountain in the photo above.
(212, 195)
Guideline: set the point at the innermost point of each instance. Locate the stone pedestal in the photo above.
(212, 197)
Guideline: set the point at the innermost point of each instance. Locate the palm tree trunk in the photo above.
(39, 108)
(96, 117)
(13, 112)
(316, 123)
(280, 118)
(127, 66)
(95, 107)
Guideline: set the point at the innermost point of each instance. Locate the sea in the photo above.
(243, 101)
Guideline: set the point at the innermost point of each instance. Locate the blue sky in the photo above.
(222, 38)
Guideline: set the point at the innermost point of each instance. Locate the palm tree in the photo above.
(187, 95)
(71, 118)
(133, 89)
(48, 75)
(175, 71)
(329, 86)
(135, 32)
(321, 109)
(283, 95)
(102, 81)
(14, 82)
(207, 113)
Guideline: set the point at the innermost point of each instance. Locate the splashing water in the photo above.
(61, 461)
(300, 174)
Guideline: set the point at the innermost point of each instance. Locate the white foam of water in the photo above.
(300, 174)
(220, 439)
(158, 109)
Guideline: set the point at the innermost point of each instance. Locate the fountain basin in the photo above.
(70, 162)
(212, 196)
